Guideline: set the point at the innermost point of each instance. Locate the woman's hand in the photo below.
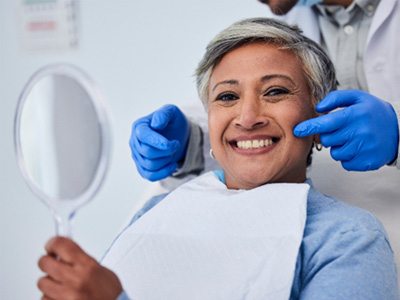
(72, 274)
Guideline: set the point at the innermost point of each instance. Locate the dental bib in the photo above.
(204, 241)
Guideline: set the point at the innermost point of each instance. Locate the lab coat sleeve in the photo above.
(357, 264)
(194, 159)
(396, 107)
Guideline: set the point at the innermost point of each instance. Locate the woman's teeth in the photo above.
(254, 144)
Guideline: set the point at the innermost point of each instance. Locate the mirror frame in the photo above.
(97, 101)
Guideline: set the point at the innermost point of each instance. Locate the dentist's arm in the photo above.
(363, 134)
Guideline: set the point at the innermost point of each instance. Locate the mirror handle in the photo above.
(63, 222)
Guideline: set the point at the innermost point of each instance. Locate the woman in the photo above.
(257, 80)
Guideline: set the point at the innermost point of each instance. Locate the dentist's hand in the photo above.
(159, 142)
(363, 135)
(72, 274)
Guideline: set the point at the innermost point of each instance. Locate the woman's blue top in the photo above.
(345, 253)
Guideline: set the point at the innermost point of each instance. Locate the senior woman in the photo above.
(255, 229)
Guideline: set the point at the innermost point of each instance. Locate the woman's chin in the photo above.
(248, 180)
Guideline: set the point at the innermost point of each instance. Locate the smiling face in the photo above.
(257, 94)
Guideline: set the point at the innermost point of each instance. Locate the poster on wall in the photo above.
(48, 24)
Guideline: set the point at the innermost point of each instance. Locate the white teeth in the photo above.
(254, 144)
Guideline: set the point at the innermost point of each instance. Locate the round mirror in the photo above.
(62, 139)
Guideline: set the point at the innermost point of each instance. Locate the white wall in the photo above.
(142, 54)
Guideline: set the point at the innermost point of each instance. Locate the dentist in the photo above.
(358, 127)
(361, 37)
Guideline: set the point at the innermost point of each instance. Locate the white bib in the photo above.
(204, 241)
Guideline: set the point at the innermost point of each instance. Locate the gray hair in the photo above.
(317, 67)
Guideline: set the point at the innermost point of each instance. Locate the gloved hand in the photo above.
(363, 135)
(159, 141)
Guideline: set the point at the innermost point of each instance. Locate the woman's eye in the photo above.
(276, 92)
(227, 97)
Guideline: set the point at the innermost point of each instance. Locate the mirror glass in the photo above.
(61, 137)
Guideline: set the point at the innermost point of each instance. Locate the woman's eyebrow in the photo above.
(263, 79)
(274, 76)
(230, 82)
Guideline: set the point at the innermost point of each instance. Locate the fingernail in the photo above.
(302, 132)
(297, 133)
(318, 108)
(154, 123)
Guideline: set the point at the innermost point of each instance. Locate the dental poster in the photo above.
(48, 24)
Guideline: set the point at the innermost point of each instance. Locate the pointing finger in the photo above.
(152, 138)
(338, 99)
(163, 116)
(323, 124)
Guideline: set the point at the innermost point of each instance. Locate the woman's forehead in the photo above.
(258, 60)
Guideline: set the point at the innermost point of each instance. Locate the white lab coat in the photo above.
(377, 191)
(381, 57)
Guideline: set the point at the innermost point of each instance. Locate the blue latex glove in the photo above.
(159, 141)
(363, 135)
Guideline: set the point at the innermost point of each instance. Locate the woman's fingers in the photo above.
(73, 274)
(50, 288)
(56, 269)
(67, 251)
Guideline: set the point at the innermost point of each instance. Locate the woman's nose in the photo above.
(250, 115)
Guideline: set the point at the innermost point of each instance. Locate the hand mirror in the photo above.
(61, 136)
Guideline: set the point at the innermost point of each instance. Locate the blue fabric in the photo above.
(123, 296)
(220, 175)
(308, 2)
(345, 253)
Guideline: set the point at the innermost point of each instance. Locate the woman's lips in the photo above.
(254, 145)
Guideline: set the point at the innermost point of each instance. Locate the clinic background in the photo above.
(142, 55)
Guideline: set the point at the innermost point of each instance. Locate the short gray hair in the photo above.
(317, 66)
